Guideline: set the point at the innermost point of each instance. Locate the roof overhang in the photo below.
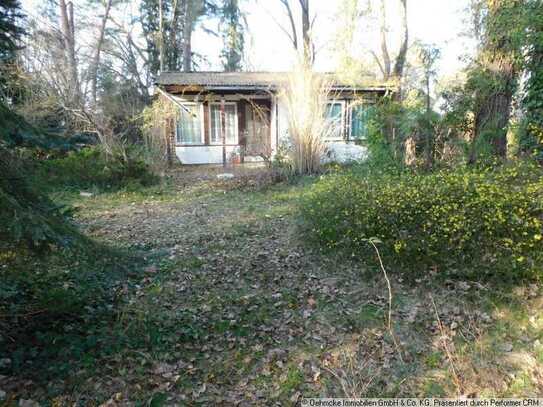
(195, 82)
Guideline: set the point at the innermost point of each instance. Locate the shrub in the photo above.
(89, 168)
(467, 221)
(65, 279)
(27, 216)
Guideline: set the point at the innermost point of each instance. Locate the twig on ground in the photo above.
(389, 319)
(354, 382)
(446, 347)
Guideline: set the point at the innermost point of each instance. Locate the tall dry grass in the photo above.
(304, 96)
(155, 118)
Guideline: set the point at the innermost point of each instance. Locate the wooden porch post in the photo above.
(223, 132)
(168, 130)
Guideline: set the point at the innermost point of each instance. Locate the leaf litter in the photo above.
(235, 308)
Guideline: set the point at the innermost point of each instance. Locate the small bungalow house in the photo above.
(238, 117)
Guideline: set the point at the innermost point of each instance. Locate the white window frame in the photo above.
(342, 122)
(202, 135)
(236, 130)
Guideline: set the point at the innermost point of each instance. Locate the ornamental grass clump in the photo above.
(466, 222)
(156, 118)
(305, 95)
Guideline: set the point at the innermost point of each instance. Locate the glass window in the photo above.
(257, 129)
(189, 125)
(230, 123)
(360, 115)
(334, 113)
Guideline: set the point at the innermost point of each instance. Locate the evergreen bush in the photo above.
(467, 221)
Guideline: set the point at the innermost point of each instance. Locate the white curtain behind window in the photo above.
(334, 116)
(189, 125)
(230, 118)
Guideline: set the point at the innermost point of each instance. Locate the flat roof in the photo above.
(255, 80)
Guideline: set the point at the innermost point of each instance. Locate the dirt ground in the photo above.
(237, 308)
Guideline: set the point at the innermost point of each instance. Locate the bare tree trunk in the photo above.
(429, 131)
(389, 72)
(402, 54)
(161, 35)
(493, 116)
(173, 60)
(498, 62)
(307, 52)
(293, 36)
(68, 36)
(187, 36)
(96, 59)
(410, 155)
(306, 35)
(385, 67)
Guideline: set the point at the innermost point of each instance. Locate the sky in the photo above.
(437, 22)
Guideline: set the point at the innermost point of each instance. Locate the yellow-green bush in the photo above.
(467, 221)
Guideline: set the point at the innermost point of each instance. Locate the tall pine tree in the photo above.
(10, 28)
(11, 32)
(532, 142)
(232, 33)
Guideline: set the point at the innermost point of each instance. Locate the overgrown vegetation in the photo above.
(234, 305)
(470, 221)
(27, 216)
(157, 118)
(210, 292)
(89, 168)
(46, 294)
(304, 97)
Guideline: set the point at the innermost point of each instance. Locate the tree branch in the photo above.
(294, 36)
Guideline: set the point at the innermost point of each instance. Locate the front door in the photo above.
(257, 130)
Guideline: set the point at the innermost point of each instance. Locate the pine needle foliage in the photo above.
(27, 215)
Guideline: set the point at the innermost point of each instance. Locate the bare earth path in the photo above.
(240, 310)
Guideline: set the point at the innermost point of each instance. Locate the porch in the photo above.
(237, 117)
(229, 127)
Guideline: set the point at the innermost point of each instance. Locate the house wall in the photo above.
(282, 123)
(340, 150)
(273, 123)
(202, 154)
